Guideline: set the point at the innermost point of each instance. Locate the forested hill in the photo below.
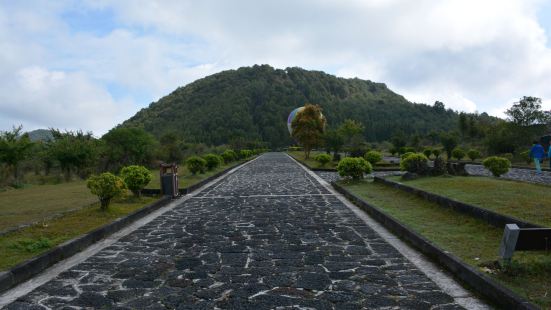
(254, 102)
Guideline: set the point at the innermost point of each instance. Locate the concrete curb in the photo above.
(191, 188)
(492, 218)
(481, 283)
(26, 270)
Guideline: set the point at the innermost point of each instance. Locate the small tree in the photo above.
(244, 154)
(229, 156)
(196, 164)
(415, 163)
(436, 153)
(458, 153)
(473, 154)
(373, 157)
(213, 161)
(14, 148)
(497, 165)
(323, 159)
(427, 152)
(308, 127)
(136, 178)
(334, 141)
(449, 141)
(354, 167)
(106, 186)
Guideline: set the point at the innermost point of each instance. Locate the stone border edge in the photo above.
(29, 268)
(482, 284)
(492, 218)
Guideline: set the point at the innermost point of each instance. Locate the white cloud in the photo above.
(472, 55)
(59, 99)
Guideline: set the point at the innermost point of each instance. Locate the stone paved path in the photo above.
(267, 236)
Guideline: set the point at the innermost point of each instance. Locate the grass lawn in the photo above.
(185, 178)
(527, 201)
(23, 244)
(474, 241)
(36, 202)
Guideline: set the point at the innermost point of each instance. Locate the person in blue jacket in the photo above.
(537, 153)
(549, 155)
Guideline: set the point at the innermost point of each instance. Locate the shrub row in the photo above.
(108, 186)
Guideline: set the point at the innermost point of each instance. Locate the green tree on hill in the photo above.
(128, 146)
(14, 148)
(75, 151)
(308, 127)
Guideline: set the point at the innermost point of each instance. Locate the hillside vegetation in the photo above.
(253, 103)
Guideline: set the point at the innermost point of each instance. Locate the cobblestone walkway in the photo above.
(268, 236)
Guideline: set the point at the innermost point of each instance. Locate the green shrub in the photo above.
(213, 161)
(354, 167)
(409, 149)
(473, 154)
(406, 155)
(106, 186)
(525, 156)
(244, 154)
(229, 156)
(373, 157)
(196, 164)
(393, 151)
(497, 165)
(427, 152)
(295, 148)
(436, 153)
(136, 178)
(458, 153)
(415, 163)
(323, 159)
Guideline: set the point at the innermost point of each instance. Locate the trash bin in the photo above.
(169, 180)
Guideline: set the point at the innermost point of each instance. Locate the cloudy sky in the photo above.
(92, 64)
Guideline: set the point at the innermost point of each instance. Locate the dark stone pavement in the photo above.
(268, 236)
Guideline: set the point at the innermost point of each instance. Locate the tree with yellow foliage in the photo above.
(308, 127)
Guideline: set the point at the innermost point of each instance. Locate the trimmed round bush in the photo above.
(229, 156)
(323, 159)
(354, 167)
(436, 153)
(196, 164)
(136, 178)
(427, 152)
(497, 165)
(373, 157)
(473, 154)
(458, 153)
(415, 163)
(106, 186)
(213, 161)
